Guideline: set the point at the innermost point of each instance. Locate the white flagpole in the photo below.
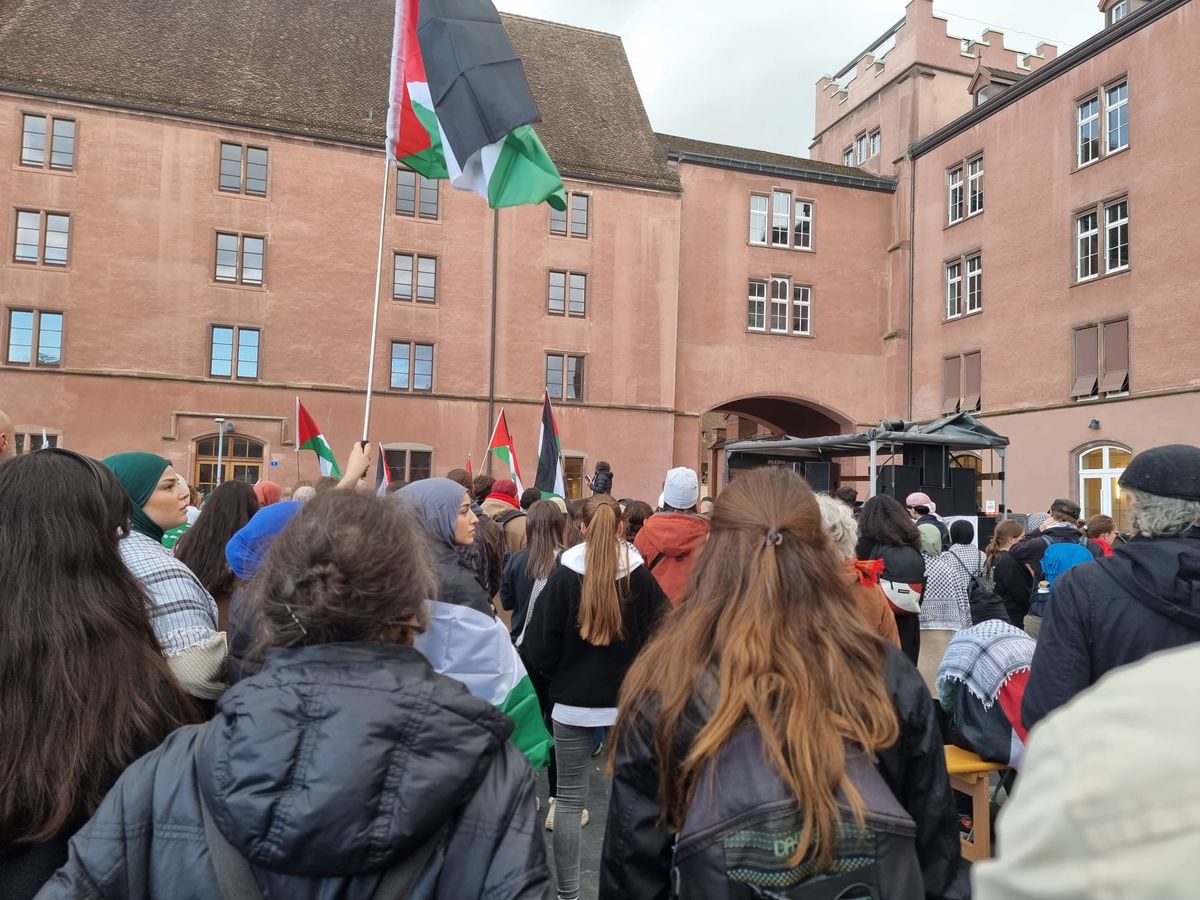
(387, 168)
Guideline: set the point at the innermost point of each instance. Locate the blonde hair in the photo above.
(600, 606)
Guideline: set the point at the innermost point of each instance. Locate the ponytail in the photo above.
(600, 605)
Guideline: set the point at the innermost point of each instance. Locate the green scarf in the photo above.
(139, 474)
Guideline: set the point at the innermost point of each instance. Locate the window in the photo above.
(1087, 246)
(802, 309)
(416, 195)
(61, 132)
(758, 218)
(1101, 360)
(757, 313)
(1118, 12)
(974, 284)
(42, 237)
(982, 95)
(408, 462)
(579, 208)
(779, 305)
(240, 258)
(564, 376)
(954, 290)
(240, 459)
(802, 236)
(243, 170)
(1116, 236)
(860, 147)
(848, 156)
(567, 294)
(1100, 471)
(412, 366)
(781, 218)
(874, 142)
(1116, 116)
(975, 186)
(573, 468)
(234, 352)
(31, 330)
(962, 378)
(1089, 131)
(30, 441)
(426, 277)
(954, 195)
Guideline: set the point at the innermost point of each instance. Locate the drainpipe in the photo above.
(912, 257)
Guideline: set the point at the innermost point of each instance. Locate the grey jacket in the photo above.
(322, 770)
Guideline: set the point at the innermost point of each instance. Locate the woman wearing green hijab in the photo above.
(182, 612)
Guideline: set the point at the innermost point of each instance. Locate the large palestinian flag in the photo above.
(477, 650)
(549, 479)
(459, 106)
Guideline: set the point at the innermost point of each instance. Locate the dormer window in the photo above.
(983, 93)
(1118, 12)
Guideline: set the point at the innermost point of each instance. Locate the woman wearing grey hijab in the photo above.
(443, 511)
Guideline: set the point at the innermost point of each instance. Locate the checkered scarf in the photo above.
(984, 657)
(947, 603)
(181, 610)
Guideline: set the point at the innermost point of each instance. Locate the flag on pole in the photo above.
(470, 471)
(383, 475)
(309, 437)
(477, 650)
(549, 478)
(459, 106)
(45, 440)
(501, 445)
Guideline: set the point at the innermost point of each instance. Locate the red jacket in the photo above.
(669, 543)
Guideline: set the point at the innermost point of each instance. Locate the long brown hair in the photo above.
(768, 616)
(84, 687)
(1005, 532)
(600, 607)
(546, 536)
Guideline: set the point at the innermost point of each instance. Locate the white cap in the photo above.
(681, 489)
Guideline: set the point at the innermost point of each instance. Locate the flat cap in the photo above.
(1170, 471)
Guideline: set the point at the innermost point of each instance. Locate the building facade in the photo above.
(195, 237)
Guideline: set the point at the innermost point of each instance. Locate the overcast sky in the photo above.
(746, 73)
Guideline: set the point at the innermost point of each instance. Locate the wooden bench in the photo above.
(971, 775)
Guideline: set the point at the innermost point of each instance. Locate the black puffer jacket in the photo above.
(1112, 612)
(636, 861)
(323, 769)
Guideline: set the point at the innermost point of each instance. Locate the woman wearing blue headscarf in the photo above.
(183, 613)
(443, 511)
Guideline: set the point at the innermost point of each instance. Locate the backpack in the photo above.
(1058, 558)
(986, 604)
(743, 825)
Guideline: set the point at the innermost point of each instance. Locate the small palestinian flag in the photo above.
(502, 445)
(476, 649)
(383, 475)
(549, 479)
(459, 106)
(309, 437)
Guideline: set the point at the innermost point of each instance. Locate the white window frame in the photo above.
(1118, 12)
(1112, 225)
(1108, 476)
(955, 197)
(974, 278)
(860, 147)
(954, 294)
(802, 237)
(1083, 121)
(802, 309)
(974, 186)
(873, 143)
(780, 310)
(1092, 235)
(765, 214)
(848, 157)
(781, 212)
(756, 304)
(1120, 107)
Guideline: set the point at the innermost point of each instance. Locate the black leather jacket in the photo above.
(636, 861)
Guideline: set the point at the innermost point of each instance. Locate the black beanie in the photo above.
(1170, 471)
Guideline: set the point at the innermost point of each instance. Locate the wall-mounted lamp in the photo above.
(1094, 424)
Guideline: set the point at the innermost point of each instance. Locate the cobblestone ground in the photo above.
(593, 832)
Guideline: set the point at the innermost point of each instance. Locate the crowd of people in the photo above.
(325, 690)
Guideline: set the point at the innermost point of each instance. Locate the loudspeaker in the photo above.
(822, 476)
(985, 528)
(962, 489)
(944, 498)
(934, 462)
(898, 481)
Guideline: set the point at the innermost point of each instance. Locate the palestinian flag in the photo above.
(549, 478)
(309, 437)
(383, 475)
(502, 445)
(459, 106)
(476, 649)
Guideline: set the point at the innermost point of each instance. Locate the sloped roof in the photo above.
(960, 431)
(314, 67)
(681, 147)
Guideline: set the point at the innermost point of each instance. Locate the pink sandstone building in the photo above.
(189, 233)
